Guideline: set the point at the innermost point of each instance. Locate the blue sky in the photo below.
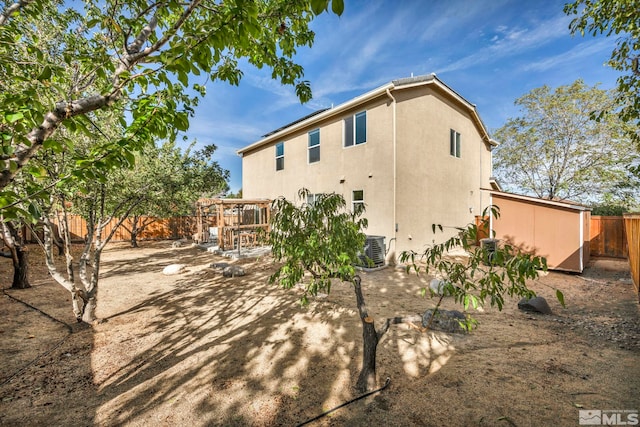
(489, 51)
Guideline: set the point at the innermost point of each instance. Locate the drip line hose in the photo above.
(324, 414)
(56, 345)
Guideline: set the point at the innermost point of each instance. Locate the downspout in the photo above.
(491, 231)
(480, 208)
(581, 240)
(391, 256)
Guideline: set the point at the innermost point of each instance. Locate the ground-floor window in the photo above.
(357, 200)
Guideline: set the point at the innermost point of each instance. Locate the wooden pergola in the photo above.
(234, 223)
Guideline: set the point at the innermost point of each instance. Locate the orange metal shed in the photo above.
(557, 230)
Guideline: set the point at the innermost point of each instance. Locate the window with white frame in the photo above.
(314, 146)
(357, 200)
(355, 129)
(454, 143)
(280, 156)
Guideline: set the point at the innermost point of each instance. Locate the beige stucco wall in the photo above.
(435, 187)
(431, 186)
(341, 170)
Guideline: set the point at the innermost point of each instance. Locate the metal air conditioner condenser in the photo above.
(374, 251)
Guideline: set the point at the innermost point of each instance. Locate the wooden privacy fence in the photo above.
(632, 227)
(608, 237)
(160, 229)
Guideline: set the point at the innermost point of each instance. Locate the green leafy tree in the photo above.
(622, 19)
(81, 278)
(319, 243)
(78, 180)
(168, 183)
(144, 60)
(488, 275)
(62, 63)
(160, 182)
(555, 150)
(608, 210)
(237, 195)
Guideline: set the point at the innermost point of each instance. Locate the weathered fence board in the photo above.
(160, 229)
(608, 237)
(632, 227)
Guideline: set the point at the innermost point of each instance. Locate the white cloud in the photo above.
(514, 41)
(355, 53)
(574, 56)
(222, 126)
(447, 21)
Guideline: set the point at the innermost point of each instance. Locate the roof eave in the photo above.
(566, 205)
(404, 83)
(318, 117)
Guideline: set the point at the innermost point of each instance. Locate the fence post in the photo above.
(632, 228)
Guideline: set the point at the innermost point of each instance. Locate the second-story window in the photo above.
(314, 146)
(355, 129)
(279, 156)
(454, 143)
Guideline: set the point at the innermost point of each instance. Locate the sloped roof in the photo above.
(301, 119)
(566, 204)
(404, 83)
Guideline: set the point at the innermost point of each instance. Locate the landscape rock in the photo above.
(173, 269)
(437, 286)
(176, 244)
(535, 304)
(219, 265)
(444, 320)
(233, 271)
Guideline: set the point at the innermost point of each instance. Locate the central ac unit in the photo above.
(374, 252)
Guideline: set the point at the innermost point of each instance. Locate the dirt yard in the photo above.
(199, 349)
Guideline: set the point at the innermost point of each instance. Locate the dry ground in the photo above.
(199, 349)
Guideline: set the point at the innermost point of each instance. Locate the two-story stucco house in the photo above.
(414, 151)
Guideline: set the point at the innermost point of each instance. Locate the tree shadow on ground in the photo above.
(226, 351)
(202, 349)
(148, 257)
(232, 351)
(46, 359)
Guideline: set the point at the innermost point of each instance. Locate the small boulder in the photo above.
(444, 320)
(437, 286)
(233, 271)
(176, 244)
(173, 269)
(219, 265)
(535, 304)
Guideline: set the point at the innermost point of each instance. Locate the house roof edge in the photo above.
(558, 203)
(403, 83)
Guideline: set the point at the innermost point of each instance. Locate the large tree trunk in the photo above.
(20, 256)
(18, 253)
(371, 337)
(77, 293)
(367, 378)
(134, 231)
(89, 315)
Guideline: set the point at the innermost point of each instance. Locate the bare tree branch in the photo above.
(15, 7)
